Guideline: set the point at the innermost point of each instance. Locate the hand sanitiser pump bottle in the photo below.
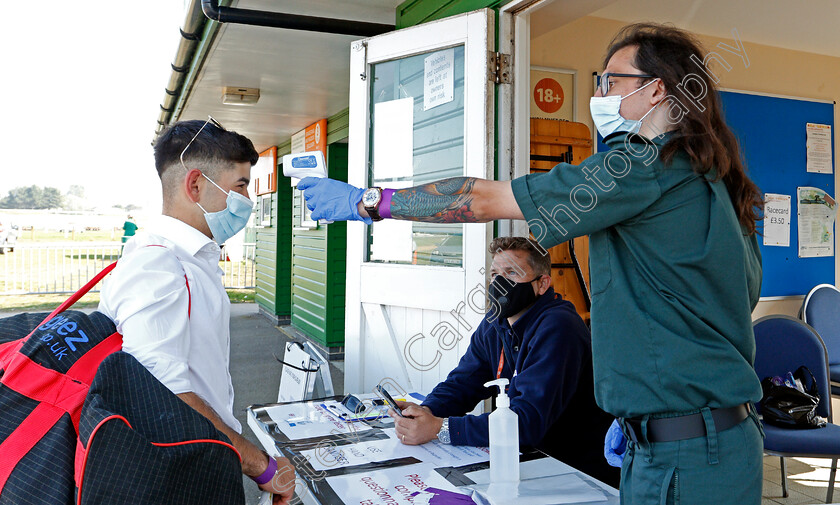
(504, 438)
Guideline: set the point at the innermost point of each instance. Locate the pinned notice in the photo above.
(777, 220)
(817, 211)
(818, 148)
(438, 78)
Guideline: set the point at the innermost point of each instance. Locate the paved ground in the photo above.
(254, 370)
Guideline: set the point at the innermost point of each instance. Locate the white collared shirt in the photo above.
(147, 298)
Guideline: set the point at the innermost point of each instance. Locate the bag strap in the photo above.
(82, 291)
(812, 386)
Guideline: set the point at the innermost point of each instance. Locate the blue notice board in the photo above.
(771, 132)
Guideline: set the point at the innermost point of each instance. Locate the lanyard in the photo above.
(501, 363)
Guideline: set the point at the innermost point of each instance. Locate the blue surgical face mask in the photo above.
(232, 219)
(607, 117)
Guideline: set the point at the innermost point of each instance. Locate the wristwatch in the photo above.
(443, 434)
(371, 199)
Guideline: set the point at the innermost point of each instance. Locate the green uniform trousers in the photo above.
(719, 468)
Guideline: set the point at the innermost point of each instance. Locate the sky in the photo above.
(81, 87)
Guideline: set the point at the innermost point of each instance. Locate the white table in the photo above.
(308, 426)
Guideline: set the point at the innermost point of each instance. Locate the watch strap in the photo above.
(373, 210)
(443, 434)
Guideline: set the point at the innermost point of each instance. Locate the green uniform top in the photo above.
(129, 228)
(674, 278)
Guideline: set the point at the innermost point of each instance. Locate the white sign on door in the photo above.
(439, 78)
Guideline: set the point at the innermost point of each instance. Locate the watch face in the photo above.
(370, 197)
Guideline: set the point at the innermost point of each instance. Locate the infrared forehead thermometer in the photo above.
(308, 164)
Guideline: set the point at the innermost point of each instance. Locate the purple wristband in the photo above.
(385, 204)
(268, 474)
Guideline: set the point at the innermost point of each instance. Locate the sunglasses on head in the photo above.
(210, 120)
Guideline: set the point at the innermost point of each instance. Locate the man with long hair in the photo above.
(674, 260)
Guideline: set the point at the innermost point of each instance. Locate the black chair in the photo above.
(821, 310)
(783, 344)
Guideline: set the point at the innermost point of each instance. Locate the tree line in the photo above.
(33, 197)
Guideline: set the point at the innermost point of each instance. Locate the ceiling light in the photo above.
(232, 95)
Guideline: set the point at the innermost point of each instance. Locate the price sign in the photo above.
(776, 220)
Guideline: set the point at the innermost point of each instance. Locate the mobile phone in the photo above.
(388, 399)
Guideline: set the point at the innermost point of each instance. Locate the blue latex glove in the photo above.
(332, 200)
(615, 445)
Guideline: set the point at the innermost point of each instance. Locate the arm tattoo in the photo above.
(446, 201)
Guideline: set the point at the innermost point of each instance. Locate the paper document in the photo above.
(393, 239)
(534, 469)
(306, 420)
(816, 212)
(818, 148)
(393, 139)
(569, 488)
(327, 457)
(776, 219)
(389, 486)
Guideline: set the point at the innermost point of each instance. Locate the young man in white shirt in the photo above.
(166, 294)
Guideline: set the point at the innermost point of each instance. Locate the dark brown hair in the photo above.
(666, 52)
(213, 146)
(539, 261)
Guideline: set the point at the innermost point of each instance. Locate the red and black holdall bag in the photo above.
(48, 363)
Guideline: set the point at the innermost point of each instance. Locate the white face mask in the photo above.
(607, 117)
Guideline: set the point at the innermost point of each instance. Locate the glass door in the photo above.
(421, 109)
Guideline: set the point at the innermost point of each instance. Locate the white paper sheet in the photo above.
(816, 212)
(534, 469)
(569, 488)
(388, 486)
(393, 239)
(307, 420)
(777, 220)
(438, 78)
(818, 148)
(434, 452)
(393, 139)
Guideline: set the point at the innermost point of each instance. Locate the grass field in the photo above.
(39, 276)
(36, 303)
(34, 236)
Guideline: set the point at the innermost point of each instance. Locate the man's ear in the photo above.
(191, 185)
(544, 283)
(659, 92)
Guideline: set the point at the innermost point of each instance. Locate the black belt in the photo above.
(670, 429)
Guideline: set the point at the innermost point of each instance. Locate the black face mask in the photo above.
(510, 297)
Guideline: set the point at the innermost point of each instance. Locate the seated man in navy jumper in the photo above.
(538, 342)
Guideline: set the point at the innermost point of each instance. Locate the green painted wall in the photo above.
(274, 251)
(415, 12)
(319, 263)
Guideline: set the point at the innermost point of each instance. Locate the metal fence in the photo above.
(65, 267)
